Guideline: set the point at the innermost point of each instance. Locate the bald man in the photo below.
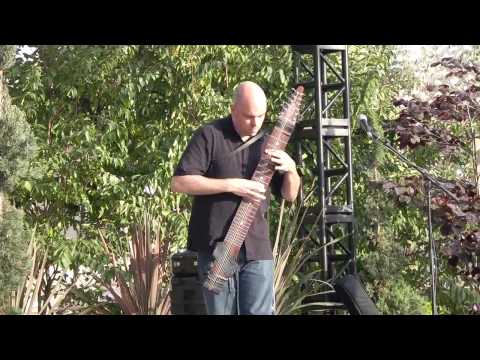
(219, 181)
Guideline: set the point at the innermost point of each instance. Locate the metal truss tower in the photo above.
(323, 150)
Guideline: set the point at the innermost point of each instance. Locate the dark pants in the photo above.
(248, 292)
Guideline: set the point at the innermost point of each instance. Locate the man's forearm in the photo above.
(199, 185)
(291, 185)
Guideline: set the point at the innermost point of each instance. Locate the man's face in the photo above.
(248, 116)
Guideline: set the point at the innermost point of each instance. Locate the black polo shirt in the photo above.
(212, 214)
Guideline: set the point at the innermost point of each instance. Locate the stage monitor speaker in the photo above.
(184, 264)
(186, 296)
(350, 291)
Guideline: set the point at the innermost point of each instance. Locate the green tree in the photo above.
(16, 149)
(111, 122)
(437, 128)
(385, 230)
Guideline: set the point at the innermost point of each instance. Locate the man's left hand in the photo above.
(284, 163)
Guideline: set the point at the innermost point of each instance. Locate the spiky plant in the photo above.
(31, 297)
(292, 282)
(146, 291)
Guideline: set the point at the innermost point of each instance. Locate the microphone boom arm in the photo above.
(431, 180)
(421, 170)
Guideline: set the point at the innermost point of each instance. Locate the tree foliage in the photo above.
(112, 122)
(16, 149)
(439, 131)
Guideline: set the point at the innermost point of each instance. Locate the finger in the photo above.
(275, 157)
(254, 199)
(258, 186)
(277, 153)
(253, 193)
(273, 152)
(257, 196)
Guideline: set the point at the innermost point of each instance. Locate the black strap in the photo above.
(246, 144)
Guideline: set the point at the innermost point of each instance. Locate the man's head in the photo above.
(248, 108)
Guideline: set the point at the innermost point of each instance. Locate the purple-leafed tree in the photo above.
(440, 130)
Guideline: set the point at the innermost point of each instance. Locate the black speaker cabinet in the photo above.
(184, 264)
(350, 291)
(186, 296)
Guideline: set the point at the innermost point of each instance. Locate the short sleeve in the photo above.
(196, 158)
(276, 184)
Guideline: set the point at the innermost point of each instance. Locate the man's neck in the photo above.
(244, 138)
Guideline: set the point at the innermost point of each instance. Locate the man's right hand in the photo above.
(248, 189)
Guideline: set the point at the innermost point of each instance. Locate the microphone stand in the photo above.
(429, 180)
